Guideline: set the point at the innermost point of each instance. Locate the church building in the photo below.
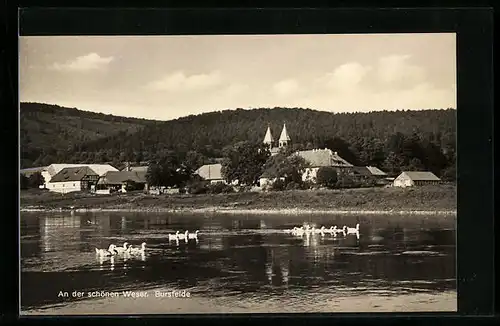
(316, 158)
(283, 141)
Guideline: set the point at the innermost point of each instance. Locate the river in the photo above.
(239, 263)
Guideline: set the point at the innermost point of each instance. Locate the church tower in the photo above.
(268, 138)
(284, 138)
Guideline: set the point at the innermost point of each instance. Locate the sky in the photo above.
(166, 77)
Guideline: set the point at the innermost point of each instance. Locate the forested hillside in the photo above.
(389, 139)
(48, 129)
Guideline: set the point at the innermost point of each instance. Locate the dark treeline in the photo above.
(391, 140)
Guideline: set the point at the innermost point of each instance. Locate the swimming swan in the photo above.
(193, 235)
(136, 251)
(111, 251)
(183, 236)
(352, 230)
(122, 250)
(173, 237)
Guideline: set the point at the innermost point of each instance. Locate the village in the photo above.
(105, 179)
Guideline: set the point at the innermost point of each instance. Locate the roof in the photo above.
(369, 171)
(375, 171)
(30, 171)
(119, 177)
(210, 171)
(137, 168)
(268, 138)
(265, 174)
(100, 169)
(420, 175)
(323, 157)
(284, 134)
(72, 174)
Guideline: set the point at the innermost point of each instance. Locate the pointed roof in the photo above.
(284, 135)
(268, 138)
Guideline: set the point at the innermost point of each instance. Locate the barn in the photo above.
(415, 178)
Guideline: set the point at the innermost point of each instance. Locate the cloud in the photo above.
(395, 69)
(179, 81)
(286, 87)
(91, 61)
(345, 77)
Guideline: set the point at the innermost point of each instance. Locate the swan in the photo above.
(111, 251)
(298, 231)
(122, 250)
(352, 230)
(321, 230)
(183, 236)
(336, 230)
(193, 235)
(173, 237)
(136, 251)
(291, 231)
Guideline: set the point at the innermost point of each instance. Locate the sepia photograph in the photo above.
(285, 173)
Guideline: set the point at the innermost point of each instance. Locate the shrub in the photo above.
(219, 188)
(278, 185)
(293, 186)
(197, 187)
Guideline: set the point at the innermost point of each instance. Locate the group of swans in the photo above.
(126, 249)
(333, 230)
(183, 236)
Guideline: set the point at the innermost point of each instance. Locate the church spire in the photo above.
(284, 138)
(268, 138)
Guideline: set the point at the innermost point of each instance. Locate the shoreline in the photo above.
(286, 211)
(417, 302)
(425, 200)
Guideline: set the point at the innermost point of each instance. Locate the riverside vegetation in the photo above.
(425, 198)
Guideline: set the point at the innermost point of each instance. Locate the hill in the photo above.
(48, 129)
(390, 139)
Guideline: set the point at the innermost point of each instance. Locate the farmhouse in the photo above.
(122, 181)
(50, 171)
(318, 158)
(415, 178)
(71, 179)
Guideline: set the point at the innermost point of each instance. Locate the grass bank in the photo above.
(441, 198)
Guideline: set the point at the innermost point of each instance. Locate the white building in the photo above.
(50, 171)
(415, 178)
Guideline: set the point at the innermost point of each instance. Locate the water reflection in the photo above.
(232, 255)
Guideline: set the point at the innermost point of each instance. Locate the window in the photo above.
(63, 185)
(74, 184)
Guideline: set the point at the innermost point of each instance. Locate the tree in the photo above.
(327, 176)
(291, 167)
(393, 163)
(244, 162)
(35, 180)
(414, 165)
(193, 160)
(154, 174)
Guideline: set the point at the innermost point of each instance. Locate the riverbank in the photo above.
(418, 200)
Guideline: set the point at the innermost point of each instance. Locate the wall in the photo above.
(65, 187)
(310, 174)
(403, 181)
(46, 176)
